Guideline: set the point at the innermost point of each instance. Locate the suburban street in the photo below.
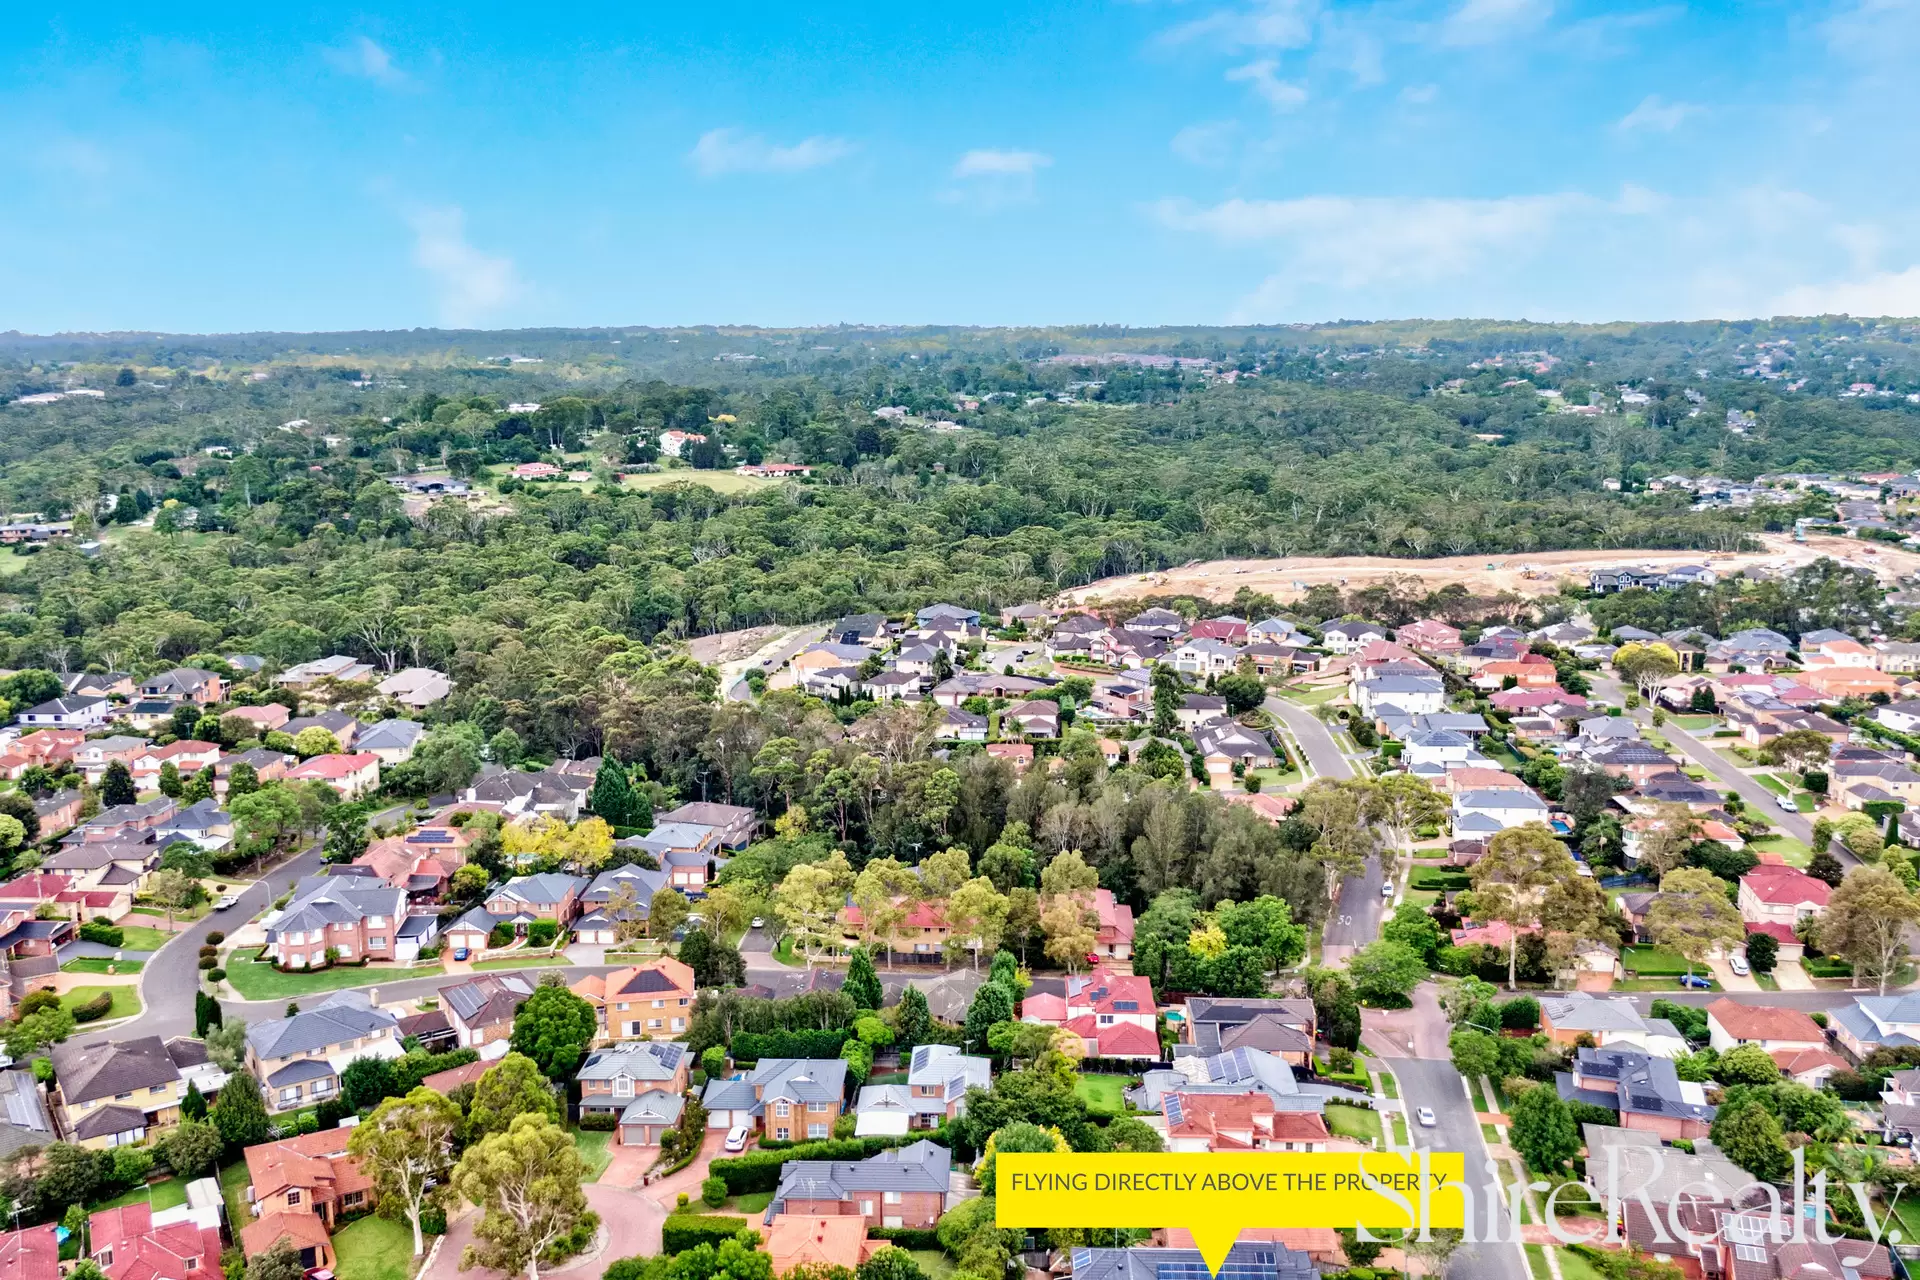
(1356, 916)
(1323, 753)
(1426, 1082)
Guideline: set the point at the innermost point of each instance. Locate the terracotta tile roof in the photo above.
(1763, 1022)
(1785, 886)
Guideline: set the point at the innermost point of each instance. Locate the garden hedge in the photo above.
(755, 1045)
(906, 1237)
(683, 1231)
(94, 1009)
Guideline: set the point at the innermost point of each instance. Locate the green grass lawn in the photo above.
(594, 1153)
(165, 1195)
(372, 1248)
(233, 1186)
(100, 964)
(1388, 1083)
(1354, 1122)
(1479, 1098)
(1275, 779)
(1662, 984)
(138, 937)
(259, 980)
(1772, 784)
(1400, 1138)
(1694, 724)
(1491, 1134)
(1430, 855)
(1574, 1267)
(1653, 962)
(934, 1264)
(1794, 851)
(1908, 1212)
(126, 1001)
(522, 962)
(752, 1203)
(1767, 981)
(1103, 1094)
(1804, 802)
(1438, 879)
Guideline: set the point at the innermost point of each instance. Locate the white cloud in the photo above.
(1887, 293)
(1209, 145)
(1281, 95)
(1479, 22)
(1880, 31)
(1360, 242)
(366, 59)
(472, 284)
(1419, 94)
(1657, 114)
(987, 162)
(1276, 24)
(737, 151)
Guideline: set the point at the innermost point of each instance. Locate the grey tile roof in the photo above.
(545, 889)
(645, 1060)
(24, 1122)
(108, 1121)
(655, 1106)
(944, 1065)
(321, 900)
(300, 1072)
(487, 998)
(923, 1166)
(390, 735)
(91, 1069)
(342, 1017)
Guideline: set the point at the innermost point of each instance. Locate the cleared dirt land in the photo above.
(1535, 574)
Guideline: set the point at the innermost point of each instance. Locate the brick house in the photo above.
(298, 1184)
(903, 1187)
(734, 824)
(481, 1009)
(1241, 1122)
(549, 896)
(268, 766)
(299, 1059)
(352, 774)
(1646, 1091)
(47, 747)
(357, 917)
(922, 933)
(789, 1099)
(612, 1079)
(653, 1000)
(128, 1246)
(1114, 1015)
(1113, 929)
(264, 718)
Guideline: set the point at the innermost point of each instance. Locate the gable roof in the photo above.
(344, 1016)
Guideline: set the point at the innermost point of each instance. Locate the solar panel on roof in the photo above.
(1129, 1006)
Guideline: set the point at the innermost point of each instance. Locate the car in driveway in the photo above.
(737, 1138)
(1425, 1116)
(1739, 965)
(1695, 982)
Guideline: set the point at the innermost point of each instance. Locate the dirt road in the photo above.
(1536, 574)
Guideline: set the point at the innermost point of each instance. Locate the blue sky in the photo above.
(216, 168)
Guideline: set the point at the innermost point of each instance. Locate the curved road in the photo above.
(1355, 919)
(1323, 753)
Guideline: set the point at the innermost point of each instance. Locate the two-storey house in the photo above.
(904, 1187)
(644, 1083)
(299, 1189)
(481, 1009)
(938, 1077)
(789, 1099)
(654, 1000)
(350, 916)
(298, 1060)
(185, 684)
(116, 1093)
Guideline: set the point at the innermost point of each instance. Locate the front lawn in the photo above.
(593, 1147)
(1795, 852)
(1574, 1267)
(138, 937)
(372, 1248)
(934, 1263)
(100, 964)
(1773, 784)
(1315, 697)
(259, 980)
(164, 1195)
(1694, 724)
(748, 1205)
(1102, 1094)
(1653, 962)
(1357, 1123)
(126, 1001)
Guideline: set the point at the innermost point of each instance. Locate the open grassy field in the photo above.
(126, 1001)
(718, 481)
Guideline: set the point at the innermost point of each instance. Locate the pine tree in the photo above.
(117, 787)
(239, 1112)
(194, 1105)
(916, 1022)
(612, 797)
(863, 984)
(170, 784)
(206, 1013)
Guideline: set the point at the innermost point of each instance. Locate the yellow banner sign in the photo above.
(1216, 1194)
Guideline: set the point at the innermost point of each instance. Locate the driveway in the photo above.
(1729, 980)
(629, 1223)
(1792, 977)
